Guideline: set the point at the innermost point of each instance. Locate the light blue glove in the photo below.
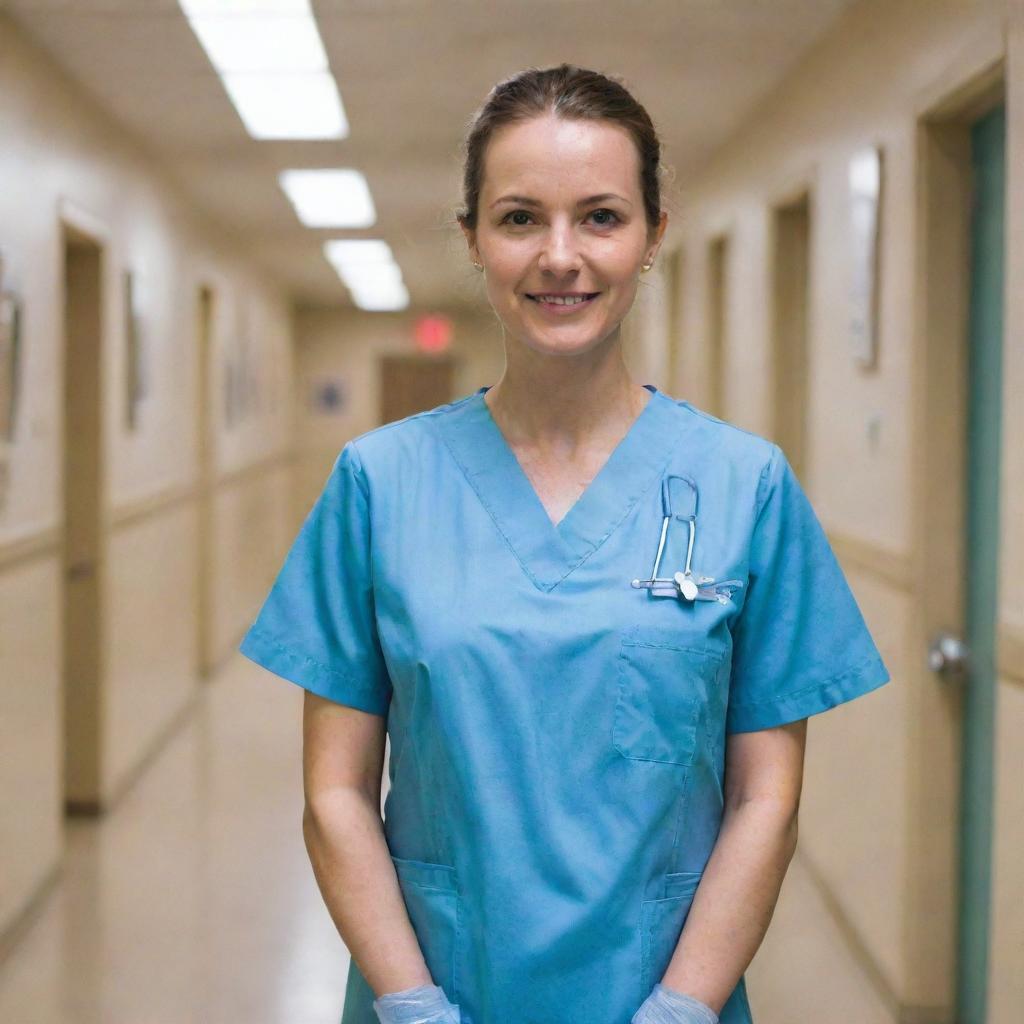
(425, 1004)
(667, 1006)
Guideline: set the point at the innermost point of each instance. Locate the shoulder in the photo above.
(744, 454)
(401, 444)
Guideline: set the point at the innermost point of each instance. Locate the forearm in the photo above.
(352, 864)
(734, 902)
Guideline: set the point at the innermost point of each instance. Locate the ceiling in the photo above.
(411, 74)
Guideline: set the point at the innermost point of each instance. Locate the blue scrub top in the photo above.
(557, 735)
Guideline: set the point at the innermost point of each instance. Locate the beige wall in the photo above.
(879, 817)
(347, 346)
(59, 158)
(252, 524)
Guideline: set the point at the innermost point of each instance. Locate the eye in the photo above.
(515, 213)
(606, 223)
(608, 218)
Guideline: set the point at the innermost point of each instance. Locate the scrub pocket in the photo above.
(661, 923)
(663, 695)
(432, 900)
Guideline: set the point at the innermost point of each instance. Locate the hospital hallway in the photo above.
(194, 902)
(231, 244)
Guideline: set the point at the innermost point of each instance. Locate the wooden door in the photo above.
(411, 384)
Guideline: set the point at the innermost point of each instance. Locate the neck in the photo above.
(560, 403)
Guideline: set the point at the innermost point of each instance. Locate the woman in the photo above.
(583, 759)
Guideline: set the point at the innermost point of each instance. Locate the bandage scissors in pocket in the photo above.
(685, 584)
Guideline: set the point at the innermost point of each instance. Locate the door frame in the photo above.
(790, 429)
(674, 277)
(206, 301)
(937, 527)
(984, 473)
(83, 733)
(719, 249)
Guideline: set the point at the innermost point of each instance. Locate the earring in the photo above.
(479, 266)
(647, 266)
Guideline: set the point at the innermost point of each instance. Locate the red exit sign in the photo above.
(433, 333)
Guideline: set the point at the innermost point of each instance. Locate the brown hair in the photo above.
(573, 93)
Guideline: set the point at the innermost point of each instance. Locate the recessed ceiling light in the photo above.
(383, 301)
(351, 251)
(292, 106)
(238, 44)
(369, 271)
(373, 276)
(244, 8)
(272, 62)
(330, 198)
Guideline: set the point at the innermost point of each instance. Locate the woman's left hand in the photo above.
(667, 1006)
(423, 1004)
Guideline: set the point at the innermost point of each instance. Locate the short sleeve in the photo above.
(800, 643)
(317, 626)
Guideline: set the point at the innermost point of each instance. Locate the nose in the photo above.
(560, 253)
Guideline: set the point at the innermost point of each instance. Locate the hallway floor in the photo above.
(194, 902)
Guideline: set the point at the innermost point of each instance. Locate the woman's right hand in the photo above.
(667, 1006)
(425, 1004)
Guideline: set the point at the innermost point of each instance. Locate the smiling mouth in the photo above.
(569, 302)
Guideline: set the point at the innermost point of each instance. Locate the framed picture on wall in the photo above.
(136, 355)
(865, 204)
(228, 381)
(10, 355)
(10, 374)
(10, 363)
(242, 397)
(234, 372)
(328, 396)
(252, 398)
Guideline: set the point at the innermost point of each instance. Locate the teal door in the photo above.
(988, 144)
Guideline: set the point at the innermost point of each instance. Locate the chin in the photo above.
(566, 347)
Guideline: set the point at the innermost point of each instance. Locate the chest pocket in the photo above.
(666, 691)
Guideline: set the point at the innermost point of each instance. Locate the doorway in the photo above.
(411, 384)
(83, 541)
(957, 523)
(675, 282)
(790, 349)
(717, 321)
(205, 463)
(205, 301)
(984, 419)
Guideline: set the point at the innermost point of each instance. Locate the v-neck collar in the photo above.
(546, 551)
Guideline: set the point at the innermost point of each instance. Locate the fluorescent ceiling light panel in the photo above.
(382, 303)
(367, 290)
(261, 44)
(294, 106)
(257, 35)
(374, 276)
(272, 61)
(369, 271)
(243, 8)
(351, 251)
(330, 198)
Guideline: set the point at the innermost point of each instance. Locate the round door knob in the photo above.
(948, 654)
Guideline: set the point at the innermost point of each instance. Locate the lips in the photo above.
(563, 304)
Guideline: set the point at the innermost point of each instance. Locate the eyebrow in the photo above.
(527, 201)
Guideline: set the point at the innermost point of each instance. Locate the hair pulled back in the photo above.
(570, 92)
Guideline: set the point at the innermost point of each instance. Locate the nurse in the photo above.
(594, 778)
